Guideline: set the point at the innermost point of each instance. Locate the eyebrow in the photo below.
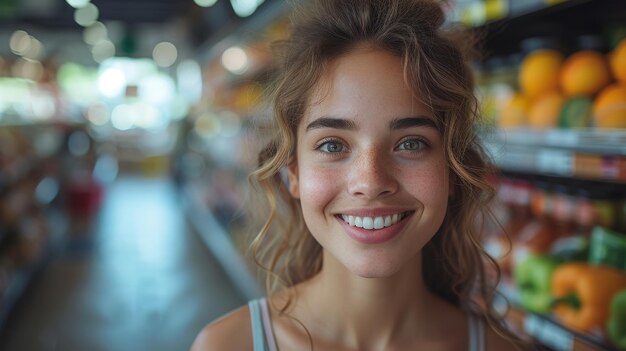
(398, 123)
(409, 122)
(330, 122)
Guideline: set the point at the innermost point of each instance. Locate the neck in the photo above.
(359, 311)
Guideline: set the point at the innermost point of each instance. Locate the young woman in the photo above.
(371, 242)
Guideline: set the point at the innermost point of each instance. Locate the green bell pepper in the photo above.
(616, 326)
(533, 277)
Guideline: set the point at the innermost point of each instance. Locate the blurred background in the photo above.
(128, 128)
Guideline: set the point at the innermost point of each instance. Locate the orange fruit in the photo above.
(539, 72)
(618, 61)
(515, 112)
(609, 108)
(585, 73)
(545, 110)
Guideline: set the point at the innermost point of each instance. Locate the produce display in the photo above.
(534, 282)
(585, 89)
(616, 327)
(566, 259)
(583, 294)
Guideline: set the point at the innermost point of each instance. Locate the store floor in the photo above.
(138, 280)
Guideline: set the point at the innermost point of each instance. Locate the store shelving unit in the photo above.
(547, 330)
(592, 158)
(592, 154)
(22, 277)
(33, 224)
(586, 158)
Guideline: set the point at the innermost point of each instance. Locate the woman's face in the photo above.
(370, 169)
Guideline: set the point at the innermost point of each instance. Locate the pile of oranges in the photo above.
(585, 89)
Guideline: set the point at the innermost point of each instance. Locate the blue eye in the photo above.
(331, 147)
(412, 145)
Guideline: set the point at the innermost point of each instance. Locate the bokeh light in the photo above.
(205, 3)
(86, 15)
(235, 60)
(165, 54)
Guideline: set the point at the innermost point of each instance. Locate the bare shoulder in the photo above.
(231, 332)
(496, 342)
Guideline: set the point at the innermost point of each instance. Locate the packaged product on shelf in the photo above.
(608, 248)
(497, 86)
(514, 197)
(573, 245)
(540, 231)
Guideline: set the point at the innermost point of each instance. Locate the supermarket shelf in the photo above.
(546, 330)
(552, 334)
(506, 33)
(219, 243)
(22, 277)
(596, 141)
(585, 153)
(19, 170)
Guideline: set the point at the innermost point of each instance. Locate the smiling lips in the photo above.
(376, 228)
(373, 223)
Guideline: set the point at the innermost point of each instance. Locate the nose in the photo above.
(372, 176)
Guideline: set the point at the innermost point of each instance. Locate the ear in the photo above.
(292, 176)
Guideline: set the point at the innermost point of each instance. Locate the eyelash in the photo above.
(424, 145)
(325, 141)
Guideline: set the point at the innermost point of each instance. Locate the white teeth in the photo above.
(368, 223)
(372, 222)
(387, 221)
(379, 223)
(358, 222)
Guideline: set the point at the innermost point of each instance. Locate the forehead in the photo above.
(364, 81)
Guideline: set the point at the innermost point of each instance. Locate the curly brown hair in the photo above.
(435, 62)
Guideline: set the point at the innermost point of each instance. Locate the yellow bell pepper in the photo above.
(583, 294)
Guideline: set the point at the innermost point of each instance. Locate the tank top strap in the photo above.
(476, 333)
(262, 333)
(267, 326)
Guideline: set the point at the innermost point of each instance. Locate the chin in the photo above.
(373, 270)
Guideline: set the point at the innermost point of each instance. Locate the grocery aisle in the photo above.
(140, 280)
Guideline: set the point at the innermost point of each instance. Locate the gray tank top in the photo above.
(264, 340)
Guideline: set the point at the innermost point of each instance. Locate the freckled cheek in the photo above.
(430, 186)
(318, 186)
